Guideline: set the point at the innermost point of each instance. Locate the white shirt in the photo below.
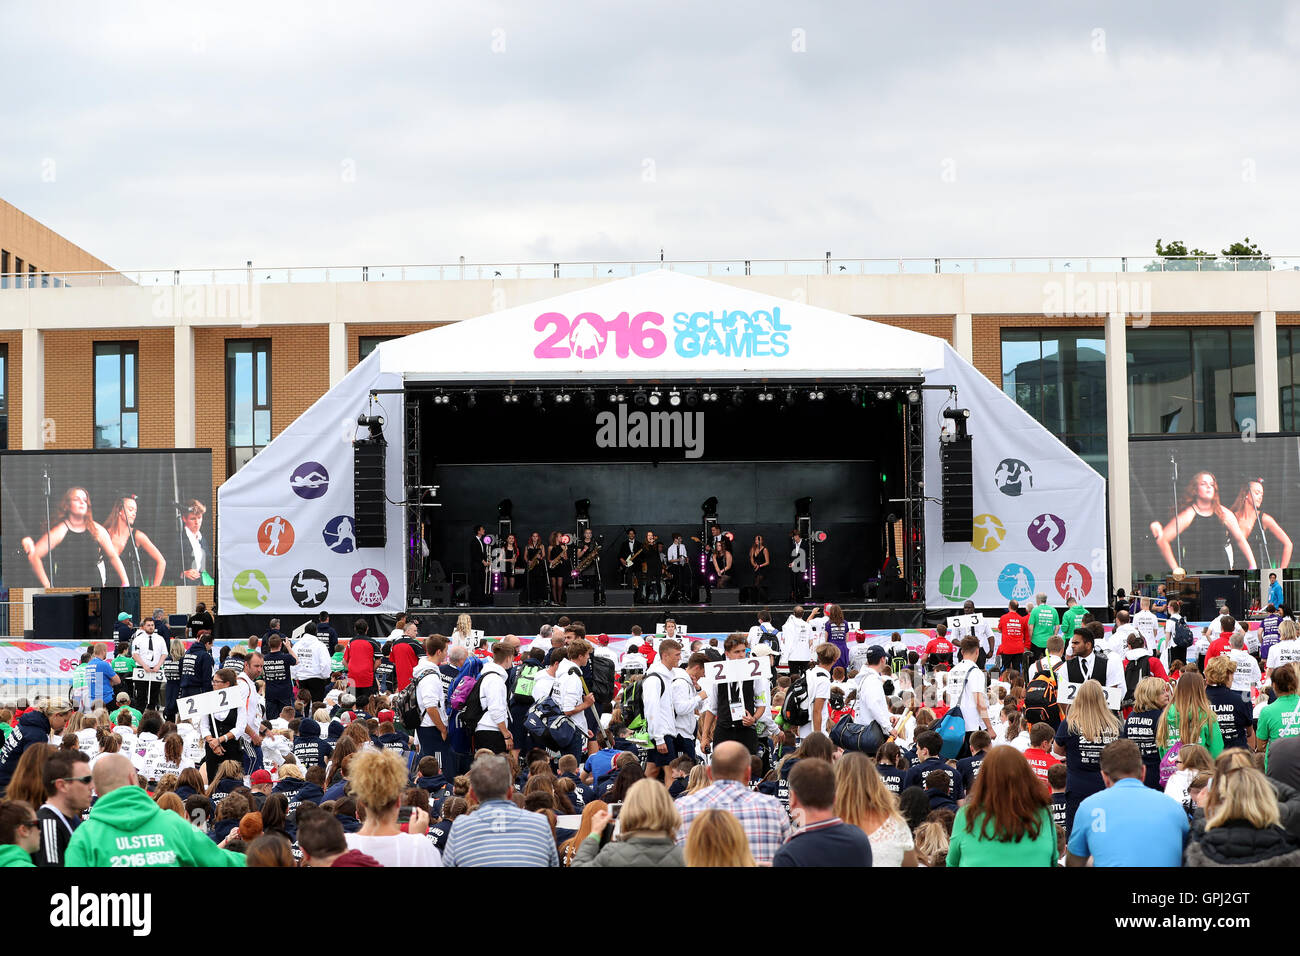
(251, 716)
(656, 691)
(313, 659)
(758, 630)
(1246, 675)
(1114, 669)
(571, 692)
(400, 849)
(429, 693)
(762, 694)
(858, 656)
(794, 645)
(1283, 652)
(1146, 623)
(982, 631)
(1116, 644)
(970, 680)
(492, 692)
(152, 648)
(870, 704)
(686, 703)
(543, 685)
(677, 552)
(195, 541)
(632, 661)
(600, 650)
(819, 688)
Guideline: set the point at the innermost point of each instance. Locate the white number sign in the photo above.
(1114, 695)
(963, 621)
(141, 674)
(200, 705)
(747, 668)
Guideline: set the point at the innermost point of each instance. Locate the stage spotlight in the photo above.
(510, 398)
(729, 536)
(639, 397)
(504, 508)
(471, 399)
(789, 396)
(692, 397)
(487, 539)
(674, 398)
(711, 396)
(913, 396)
(654, 397)
(589, 398)
(561, 398)
(820, 536)
(884, 394)
(621, 397)
(565, 539)
(613, 397)
(537, 399)
(710, 507)
(803, 507)
(582, 507)
(738, 396)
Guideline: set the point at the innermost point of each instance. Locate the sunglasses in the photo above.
(86, 779)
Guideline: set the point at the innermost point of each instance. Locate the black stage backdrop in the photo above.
(756, 460)
(156, 478)
(1233, 462)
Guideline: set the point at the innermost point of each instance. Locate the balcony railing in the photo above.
(722, 268)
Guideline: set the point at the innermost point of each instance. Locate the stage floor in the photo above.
(696, 618)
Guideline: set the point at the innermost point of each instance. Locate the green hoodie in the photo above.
(126, 828)
(13, 855)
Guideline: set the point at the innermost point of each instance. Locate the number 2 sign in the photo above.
(746, 668)
(200, 705)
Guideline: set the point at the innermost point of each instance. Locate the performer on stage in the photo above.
(514, 572)
(557, 567)
(759, 560)
(588, 576)
(83, 541)
(679, 567)
(1204, 529)
(626, 549)
(798, 567)
(649, 566)
(479, 560)
(720, 566)
(716, 534)
(535, 569)
(129, 543)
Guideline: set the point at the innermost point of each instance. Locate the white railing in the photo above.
(828, 265)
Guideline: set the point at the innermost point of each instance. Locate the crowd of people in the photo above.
(803, 745)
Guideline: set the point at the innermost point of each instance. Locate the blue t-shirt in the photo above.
(830, 843)
(101, 679)
(1130, 825)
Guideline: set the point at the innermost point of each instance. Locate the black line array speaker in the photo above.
(958, 489)
(368, 493)
(506, 598)
(724, 597)
(619, 597)
(61, 616)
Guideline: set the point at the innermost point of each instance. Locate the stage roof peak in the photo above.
(662, 324)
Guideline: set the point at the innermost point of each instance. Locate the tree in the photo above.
(1239, 257)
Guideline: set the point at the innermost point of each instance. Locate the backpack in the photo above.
(770, 638)
(602, 681)
(1183, 634)
(464, 683)
(795, 709)
(521, 686)
(1134, 673)
(474, 709)
(634, 701)
(1040, 698)
(407, 703)
(1169, 763)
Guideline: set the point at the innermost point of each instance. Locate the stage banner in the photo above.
(1211, 505)
(1040, 510)
(31, 670)
(288, 537)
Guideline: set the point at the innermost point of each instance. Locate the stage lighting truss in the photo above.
(913, 395)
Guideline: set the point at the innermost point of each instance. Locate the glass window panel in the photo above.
(1213, 380)
(261, 427)
(130, 430)
(243, 392)
(261, 378)
(108, 400)
(1161, 398)
(1284, 376)
(128, 378)
(1243, 370)
(1021, 370)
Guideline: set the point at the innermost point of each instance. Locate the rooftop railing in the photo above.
(829, 266)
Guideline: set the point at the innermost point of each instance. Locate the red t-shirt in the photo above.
(403, 658)
(1012, 627)
(1218, 646)
(941, 646)
(1040, 761)
(359, 656)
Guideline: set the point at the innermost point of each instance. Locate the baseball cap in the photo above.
(123, 617)
(875, 655)
(603, 640)
(259, 777)
(386, 715)
(761, 650)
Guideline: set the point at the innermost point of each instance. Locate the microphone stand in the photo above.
(135, 553)
(1178, 533)
(49, 551)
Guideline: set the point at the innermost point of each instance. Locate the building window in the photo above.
(4, 268)
(368, 342)
(117, 413)
(4, 396)
(248, 400)
(1059, 377)
(1190, 380)
(1288, 377)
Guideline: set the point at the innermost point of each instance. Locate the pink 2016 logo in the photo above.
(587, 335)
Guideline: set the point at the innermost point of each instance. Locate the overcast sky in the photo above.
(167, 135)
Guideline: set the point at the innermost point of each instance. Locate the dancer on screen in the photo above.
(77, 543)
(1255, 522)
(128, 543)
(1204, 529)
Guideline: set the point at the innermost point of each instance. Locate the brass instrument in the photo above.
(532, 562)
(591, 556)
(558, 558)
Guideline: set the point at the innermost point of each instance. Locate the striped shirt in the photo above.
(56, 832)
(498, 833)
(763, 819)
